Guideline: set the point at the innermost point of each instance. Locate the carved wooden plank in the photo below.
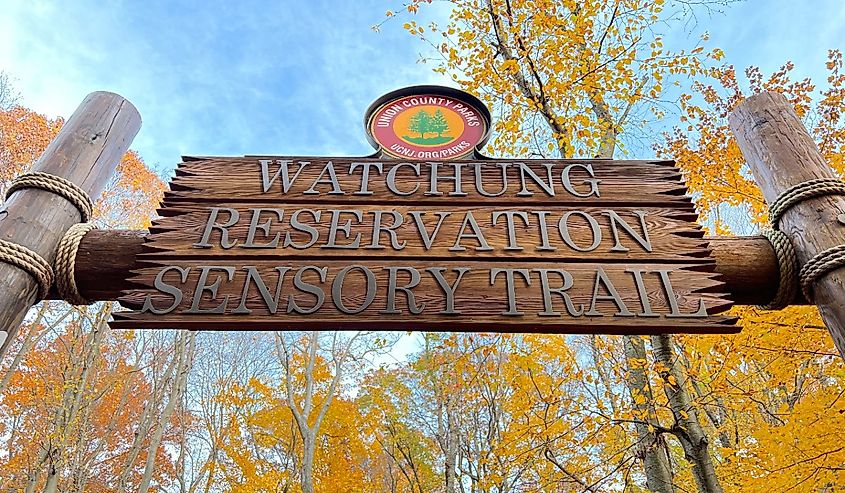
(346, 295)
(540, 232)
(593, 223)
(312, 180)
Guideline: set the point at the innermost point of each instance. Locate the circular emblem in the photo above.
(427, 122)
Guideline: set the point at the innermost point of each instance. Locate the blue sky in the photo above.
(292, 77)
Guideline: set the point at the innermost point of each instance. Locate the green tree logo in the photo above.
(422, 122)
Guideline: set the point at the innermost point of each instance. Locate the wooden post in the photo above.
(86, 151)
(747, 265)
(781, 154)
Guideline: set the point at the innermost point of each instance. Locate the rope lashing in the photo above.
(820, 264)
(30, 262)
(33, 263)
(787, 270)
(65, 264)
(57, 185)
(801, 192)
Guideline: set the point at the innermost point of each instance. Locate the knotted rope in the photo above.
(57, 185)
(30, 262)
(820, 264)
(65, 264)
(801, 192)
(787, 270)
(33, 263)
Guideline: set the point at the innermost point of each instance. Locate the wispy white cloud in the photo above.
(293, 77)
(215, 77)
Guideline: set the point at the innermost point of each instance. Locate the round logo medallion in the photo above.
(429, 123)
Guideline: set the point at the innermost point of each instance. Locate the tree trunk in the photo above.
(184, 354)
(452, 444)
(687, 427)
(306, 474)
(602, 373)
(651, 446)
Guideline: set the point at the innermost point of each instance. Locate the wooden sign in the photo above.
(265, 242)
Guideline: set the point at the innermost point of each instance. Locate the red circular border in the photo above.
(386, 137)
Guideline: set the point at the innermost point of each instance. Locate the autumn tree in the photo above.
(568, 79)
(309, 397)
(408, 454)
(770, 394)
(8, 94)
(75, 397)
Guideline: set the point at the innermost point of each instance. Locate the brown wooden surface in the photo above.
(630, 183)
(481, 305)
(86, 151)
(673, 235)
(239, 186)
(747, 265)
(782, 154)
(104, 262)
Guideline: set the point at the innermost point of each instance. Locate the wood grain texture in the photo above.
(630, 183)
(86, 151)
(105, 261)
(480, 303)
(671, 235)
(607, 209)
(746, 264)
(781, 153)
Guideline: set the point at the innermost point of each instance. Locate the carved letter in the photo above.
(423, 231)
(267, 181)
(544, 232)
(272, 302)
(168, 289)
(641, 291)
(476, 233)
(642, 240)
(479, 180)
(296, 224)
(391, 178)
(456, 178)
(511, 226)
(332, 180)
(549, 187)
(265, 226)
(212, 224)
(378, 228)
(365, 176)
(672, 298)
(602, 278)
(346, 228)
(449, 291)
(567, 181)
(563, 226)
(392, 288)
(303, 286)
(510, 285)
(548, 310)
(337, 289)
(202, 286)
